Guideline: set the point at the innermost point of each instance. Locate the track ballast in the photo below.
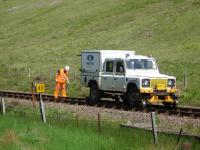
(178, 111)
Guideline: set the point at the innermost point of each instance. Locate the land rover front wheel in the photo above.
(94, 95)
(133, 97)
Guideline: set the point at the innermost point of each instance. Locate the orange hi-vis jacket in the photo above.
(61, 76)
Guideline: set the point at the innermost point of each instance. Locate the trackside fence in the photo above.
(14, 75)
(19, 78)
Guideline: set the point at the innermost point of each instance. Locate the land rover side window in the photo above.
(141, 64)
(109, 66)
(119, 67)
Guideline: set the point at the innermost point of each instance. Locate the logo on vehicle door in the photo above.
(90, 60)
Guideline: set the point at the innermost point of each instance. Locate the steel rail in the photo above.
(178, 111)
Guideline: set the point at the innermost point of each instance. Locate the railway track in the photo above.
(178, 111)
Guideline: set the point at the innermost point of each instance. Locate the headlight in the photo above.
(171, 83)
(145, 82)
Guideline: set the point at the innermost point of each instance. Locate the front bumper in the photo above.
(158, 96)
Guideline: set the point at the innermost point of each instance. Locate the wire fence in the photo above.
(44, 71)
(63, 118)
(19, 77)
(54, 116)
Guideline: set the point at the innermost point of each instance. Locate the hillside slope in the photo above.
(49, 34)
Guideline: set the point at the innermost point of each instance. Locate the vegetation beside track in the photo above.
(45, 35)
(21, 128)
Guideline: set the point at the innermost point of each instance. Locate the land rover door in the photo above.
(119, 79)
(107, 75)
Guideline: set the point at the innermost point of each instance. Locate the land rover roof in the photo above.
(111, 51)
(140, 57)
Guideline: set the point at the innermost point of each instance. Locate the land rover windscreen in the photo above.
(141, 64)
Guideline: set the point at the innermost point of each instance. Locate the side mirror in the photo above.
(82, 70)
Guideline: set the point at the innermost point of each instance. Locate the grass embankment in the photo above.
(21, 128)
(50, 33)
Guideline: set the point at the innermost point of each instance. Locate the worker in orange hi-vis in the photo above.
(61, 80)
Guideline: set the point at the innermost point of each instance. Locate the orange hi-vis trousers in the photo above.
(60, 86)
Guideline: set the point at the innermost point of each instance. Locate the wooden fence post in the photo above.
(42, 110)
(77, 120)
(154, 129)
(29, 72)
(75, 74)
(185, 80)
(33, 93)
(99, 122)
(17, 74)
(50, 76)
(3, 107)
(9, 71)
(179, 136)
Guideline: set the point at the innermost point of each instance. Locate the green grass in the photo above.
(22, 129)
(50, 33)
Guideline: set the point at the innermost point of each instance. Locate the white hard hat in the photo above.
(67, 68)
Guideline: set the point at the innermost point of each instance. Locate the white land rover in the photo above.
(134, 78)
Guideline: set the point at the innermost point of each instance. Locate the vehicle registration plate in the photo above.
(160, 86)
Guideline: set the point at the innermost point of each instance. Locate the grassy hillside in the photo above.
(50, 33)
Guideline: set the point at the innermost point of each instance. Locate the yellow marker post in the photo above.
(40, 87)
